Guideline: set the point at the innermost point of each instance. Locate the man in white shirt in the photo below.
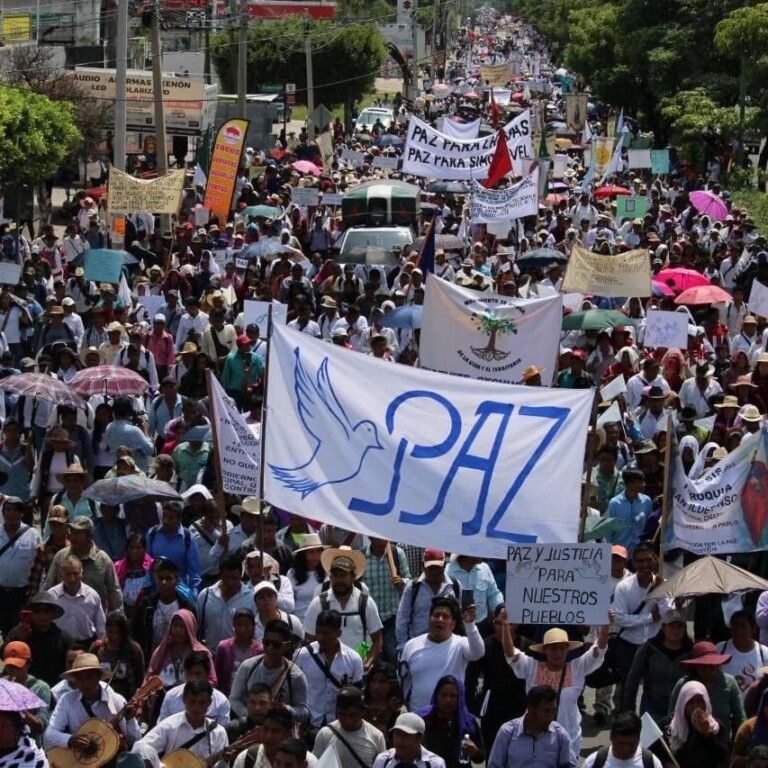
(732, 313)
(638, 620)
(72, 320)
(377, 329)
(192, 320)
(328, 318)
(648, 377)
(439, 652)
(197, 666)
(304, 322)
(89, 698)
(353, 323)
(354, 740)
(744, 340)
(362, 625)
(329, 666)
(698, 392)
(179, 731)
(624, 750)
(83, 618)
(407, 735)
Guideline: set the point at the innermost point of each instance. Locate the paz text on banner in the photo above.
(485, 335)
(225, 161)
(432, 154)
(627, 274)
(504, 205)
(237, 446)
(420, 457)
(161, 196)
(559, 584)
(726, 509)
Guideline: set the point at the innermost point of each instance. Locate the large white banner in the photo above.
(434, 155)
(726, 509)
(458, 130)
(237, 445)
(420, 457)
(515, 202)
(488, 336)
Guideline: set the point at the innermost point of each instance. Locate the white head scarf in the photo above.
(699, 467)
(679, 729)
(689, 441)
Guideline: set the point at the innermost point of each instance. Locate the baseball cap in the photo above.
(673, 617)
(82, 523)
(264, 585)
(16, 654)
(620, 551)
(434, 557)
(409, 722)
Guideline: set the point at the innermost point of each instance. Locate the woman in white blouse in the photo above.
(307, 574)
(565, 677)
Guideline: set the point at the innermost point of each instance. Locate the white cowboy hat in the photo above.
(344, 558)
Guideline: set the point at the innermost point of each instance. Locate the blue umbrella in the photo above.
(403, 317)
(129, 260)
(541, 258)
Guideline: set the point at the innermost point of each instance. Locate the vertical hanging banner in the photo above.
(576, 111)
(225, 161)
(603, 154)
(485, 335)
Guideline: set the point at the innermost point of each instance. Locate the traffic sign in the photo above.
(320, 116)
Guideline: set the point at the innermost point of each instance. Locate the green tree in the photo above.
(346, 59)
(493, 324)
(36, 135)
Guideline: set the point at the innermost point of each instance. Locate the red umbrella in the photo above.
(108, 380)
(305, 166)
(681, 278)
(703, 294)
(611, 190)
(554, 199)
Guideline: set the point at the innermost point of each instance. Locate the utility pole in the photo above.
(414, 66)
(242, 59)
(157, 87)
(121, 75)
(310, 78)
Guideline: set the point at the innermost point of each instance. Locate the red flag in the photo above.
(501, 165)
(495, 114)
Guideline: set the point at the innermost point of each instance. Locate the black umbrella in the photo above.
(448, 187)
(541, 258)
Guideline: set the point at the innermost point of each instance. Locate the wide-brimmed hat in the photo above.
(751, 413)
(656, 392)
(762, 357)
(743, 381)
(47, 600)
(71, 470)
(189, 348)
(309, 541)
(646, 446)
(85, 662)
(328, 303)
(704, 371)
(115, 327)
(705, 654)
(531, 371)
(59, 433)
(729, 401)
(343, 558)
(555, 636)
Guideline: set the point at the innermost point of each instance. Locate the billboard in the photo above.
(187, 100)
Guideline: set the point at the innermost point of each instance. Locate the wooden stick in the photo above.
(665, 497)
(591, 453)
(220, 497)
(263, 428)
(391, 560)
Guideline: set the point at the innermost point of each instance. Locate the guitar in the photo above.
(103, 735)
(184, 758)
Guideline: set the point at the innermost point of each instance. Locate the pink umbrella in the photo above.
(681, 278)
(304, 166)
(703, 294)
(108, 380)
(42, 387)
(709, 203)
(15, 697)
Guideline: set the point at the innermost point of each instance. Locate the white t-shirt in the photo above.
(613, 762)
(162, 620)
(745, 667)
(351, 622)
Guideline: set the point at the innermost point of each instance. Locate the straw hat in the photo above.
(555, 636)
(86, 662)
(343, 558)
(729, 401)
(751, 413)
(70, 471)
(531, 371)
(309, 541)
(59, 434)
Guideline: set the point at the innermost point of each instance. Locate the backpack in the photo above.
(56, 499)
(602, 758)
(362, 605)
(416, 586)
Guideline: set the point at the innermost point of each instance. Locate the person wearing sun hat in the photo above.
(565, 677)
(531, 376)
(17, 657)
(90, 693)
(362, 627)
(704, 665)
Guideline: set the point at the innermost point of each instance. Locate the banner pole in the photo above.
(220, 497)
(591, 453)
(263, 425)
(665, 496)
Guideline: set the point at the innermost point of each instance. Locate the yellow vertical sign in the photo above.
(225, 161)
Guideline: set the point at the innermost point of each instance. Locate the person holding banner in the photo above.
(565, 677)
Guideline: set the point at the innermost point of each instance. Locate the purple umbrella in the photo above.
(709, 203)
(17, 698)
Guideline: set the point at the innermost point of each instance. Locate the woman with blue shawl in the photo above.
(448, 721)
(753, 732)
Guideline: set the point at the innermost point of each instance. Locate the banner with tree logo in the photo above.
(488, 336)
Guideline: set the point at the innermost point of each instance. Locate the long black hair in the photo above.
(300, 569)
(98, 427)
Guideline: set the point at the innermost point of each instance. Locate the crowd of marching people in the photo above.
(253, 637)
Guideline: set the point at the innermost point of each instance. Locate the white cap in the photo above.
(262, 585)
(409, 722)
(159, 318)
